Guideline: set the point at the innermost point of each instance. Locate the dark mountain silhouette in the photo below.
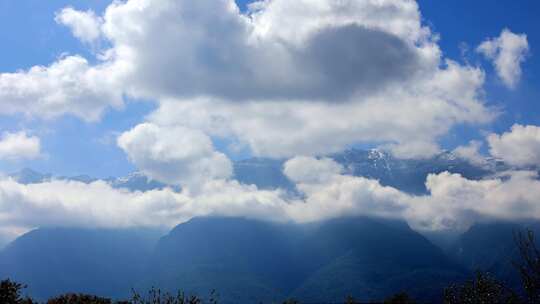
(245, 261)
(59, 260)
(249, 261)
(373, 258)
(492, 247)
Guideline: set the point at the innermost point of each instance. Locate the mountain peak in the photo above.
(29, 176)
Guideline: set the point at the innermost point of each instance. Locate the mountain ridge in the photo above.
(407, 175)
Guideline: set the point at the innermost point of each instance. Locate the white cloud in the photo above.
(174, 155)
(17, 146)
(295, 21)
(84, 25)
(9, 233)
(471, 152)
(454, 202)
(357, 71)
(349, 72)
(409, 118)
(520, 146)
(215, 50)
(302, 169)
(329, 194)
(508, 52)
(70, 85)
(76, 204)
(422, 148)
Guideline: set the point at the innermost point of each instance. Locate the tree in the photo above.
(78, 299)
(529, 265)
(482, 289)
(10, 293)
(155, 296)
(399, 298)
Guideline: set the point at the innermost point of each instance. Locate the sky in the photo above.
(180, 89)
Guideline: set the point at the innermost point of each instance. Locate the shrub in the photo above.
(10, 293)
(78, 299)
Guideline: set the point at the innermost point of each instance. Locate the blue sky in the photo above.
(471, 22)
(39, 40)
(30, 36)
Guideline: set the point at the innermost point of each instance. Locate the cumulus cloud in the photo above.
(520, 146)
(174, 155)
(329, 194)
(237, 56)
(310, 170)
(359, 69)
(408, 119)
(471, 152)
(97, 204)
(70, 85)
(364, 70)
(84, 25)
(508, 52)
(18, 146)
(454, 202)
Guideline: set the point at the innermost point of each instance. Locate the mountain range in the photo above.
(248, 261)
(244, 260)
(407, 175)
(252, 261)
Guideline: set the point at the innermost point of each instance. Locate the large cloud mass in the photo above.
(453, 203)
(342, 76)
(200, 48)
(284, 78)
